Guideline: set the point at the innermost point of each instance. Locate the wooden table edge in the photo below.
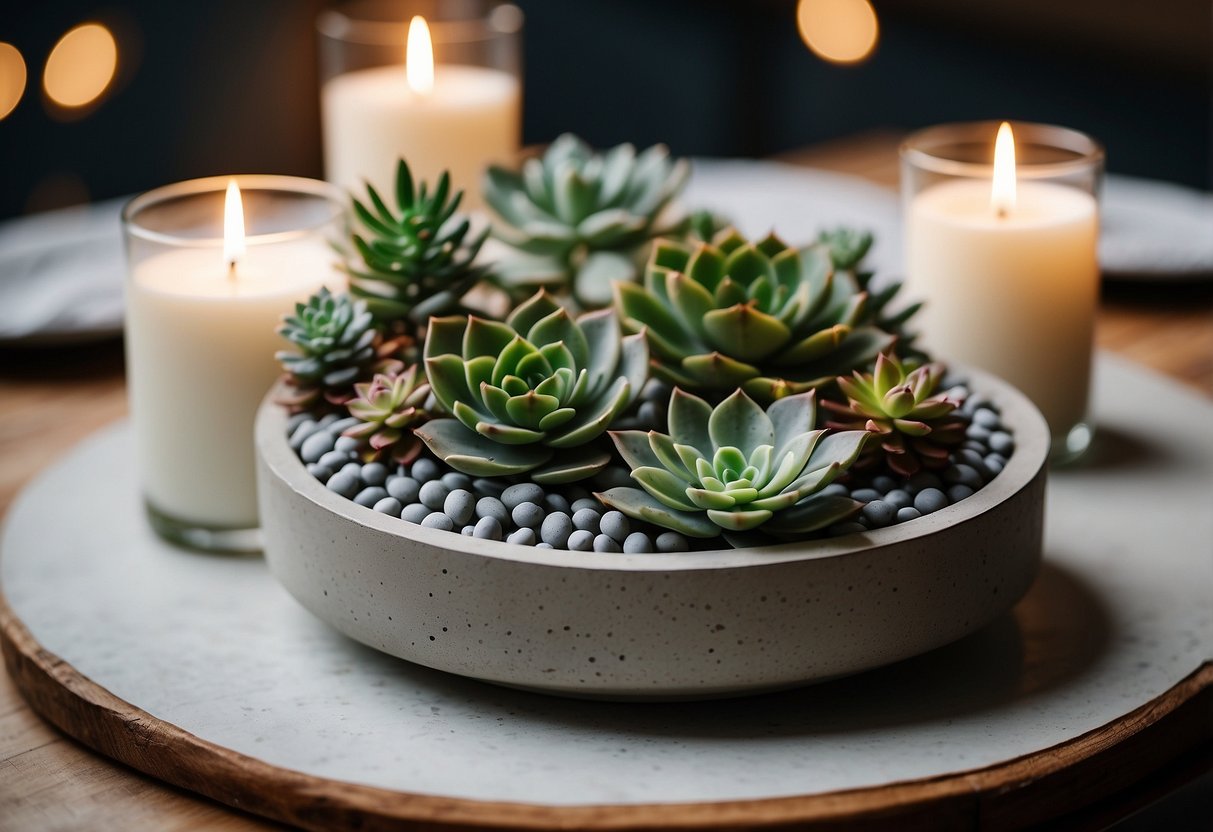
(1033, 788)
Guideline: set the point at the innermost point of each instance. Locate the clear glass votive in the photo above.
(203, 304)
(462, 115)
(1008, 270)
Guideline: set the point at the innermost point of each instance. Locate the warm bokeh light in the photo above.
(233, 225)
(419, 57)
(840, 31)
(12, 78)
(81, 66)
(1002, 191)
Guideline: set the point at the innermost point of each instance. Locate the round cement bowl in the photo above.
(657, 626)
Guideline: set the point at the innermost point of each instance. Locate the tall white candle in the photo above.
(461, 119)
(1010, 281)
(200, 345)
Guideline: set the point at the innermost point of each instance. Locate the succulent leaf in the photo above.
(388, 408)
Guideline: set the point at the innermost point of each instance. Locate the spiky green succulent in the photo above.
(336, 344)
(580, 219)
(736, 468)
(418, 260)
(764, 317)
(916, 426)
(848, 247)
(530, 394)
(388, 408)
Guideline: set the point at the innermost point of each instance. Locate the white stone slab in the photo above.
(214, 646)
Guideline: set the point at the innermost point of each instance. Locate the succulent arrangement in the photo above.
(580, 219)
(658, 383)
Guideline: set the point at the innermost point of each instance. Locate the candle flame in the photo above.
(419, 57)
(1002, 192)
(233, 225)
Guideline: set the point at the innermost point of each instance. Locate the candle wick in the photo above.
(1001, 212)
(231, 269)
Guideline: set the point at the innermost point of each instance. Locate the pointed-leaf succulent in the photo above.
(417, 260)
(767, 318)
(389, 407)
(736, 468)
(916, 425)
(580, 219)
(530, 394)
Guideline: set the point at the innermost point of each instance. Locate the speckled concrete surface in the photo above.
(217, 647)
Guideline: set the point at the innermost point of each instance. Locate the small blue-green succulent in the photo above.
(531, 394)
(736, 468)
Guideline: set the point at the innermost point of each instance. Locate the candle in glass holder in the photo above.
(202, 312)
(1006, 265)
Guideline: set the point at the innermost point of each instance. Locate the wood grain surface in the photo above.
(50, 399)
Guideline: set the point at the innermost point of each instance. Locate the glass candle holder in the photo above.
(206, 290)
(453, 103)
(1005, 259)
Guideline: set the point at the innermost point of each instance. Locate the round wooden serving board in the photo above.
(203, 672)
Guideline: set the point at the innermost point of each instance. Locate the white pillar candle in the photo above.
(462, 119)
(200, 346)
(1010, 283)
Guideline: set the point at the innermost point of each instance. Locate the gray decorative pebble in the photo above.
(615, 524)
(879, 513)
(374, 473)
(488, 487)
(581, 541)
(492, 507)
(460, 506)
(899, 498)
(907, 513)
(345, 444)
(672, 542)
(866, 495)
(487, 528)
(929, 500)
(527, 515)
(586, 519)
(414, 513)
(344, 483)
(316, 446)
(835, 489)
(637, 543)
(542, 545)
(958, 492)
(467, 531)
(433, 494)
(319, 470)
(556, 529)
(353, 468)
(586, 502)
(649, 413)
(606, 543)
(986, 418)
(388, 505)
(456, 480)
(334, 460)
(556, 502)
(971, 457)
(963, 474)
(404, 489)
(974, 445)
(519, 493)
(342, 425)
(295, 421)
(923, 480)
(995, 464)
(425, 469)
(438, 520)
(369, 496)
(522, 537)
(981, 434)
(302, 432)
(847, 528)
(1002, 442)
(884, 483)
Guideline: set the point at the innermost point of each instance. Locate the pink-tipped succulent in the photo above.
(389, 407)
(916, 426)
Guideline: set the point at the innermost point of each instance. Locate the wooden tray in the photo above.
(201, 671)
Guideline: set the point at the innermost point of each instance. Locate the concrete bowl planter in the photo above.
(657, 626)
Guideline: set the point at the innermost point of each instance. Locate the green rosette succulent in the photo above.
(336, 344)
(418, 260)
(764, 317)
(916, 426)
(580, 219)
(848, 247)
(736, 468)
(530, 394)
(389, 407)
